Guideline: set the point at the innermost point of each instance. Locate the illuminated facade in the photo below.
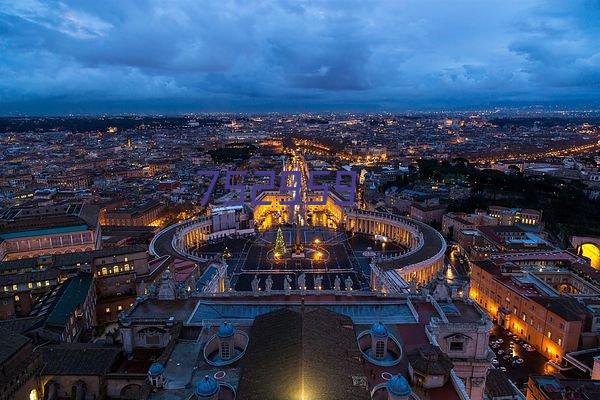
(421, 260)
(33, 232)
(552, 324)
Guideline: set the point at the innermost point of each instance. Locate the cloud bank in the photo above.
(233, 55)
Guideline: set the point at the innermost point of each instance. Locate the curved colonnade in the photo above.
(423, 260)
(421, 263)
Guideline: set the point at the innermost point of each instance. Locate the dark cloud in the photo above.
(184, 55)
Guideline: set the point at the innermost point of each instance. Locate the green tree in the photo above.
(279, 244)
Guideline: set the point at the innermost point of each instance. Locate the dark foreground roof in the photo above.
(10, 343)
(78, 359)
(430, 360)
(289, 347)
(497, 384)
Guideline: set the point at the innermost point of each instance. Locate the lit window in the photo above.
(119, 308)
(559, 341)
(38, 284)
(47, 283)
(549, 335)
(126, 259)
(104, 271)
(108, 310)
(30, 285)
(17, 298)
(14, 287)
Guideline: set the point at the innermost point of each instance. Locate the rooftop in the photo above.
(301, 351)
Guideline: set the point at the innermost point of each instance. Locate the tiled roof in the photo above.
(78, 359)
(74, 294)
(289, 347)
(10, 343)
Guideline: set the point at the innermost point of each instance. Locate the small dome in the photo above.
(206, 387)
(225, 330)
(156, 369)
(398, 386)
(379, 329)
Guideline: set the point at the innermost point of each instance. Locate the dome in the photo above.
(398, 386)
(206, 387)
(156, 369)
(379, 329)
(225, 330)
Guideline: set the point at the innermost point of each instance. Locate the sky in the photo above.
(177, 56)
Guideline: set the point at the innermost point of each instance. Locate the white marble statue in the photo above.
(286, 285)
(268, 284)
(337, 283)
(348, 283)
(301, 281)
(255, 283)
(318, 282)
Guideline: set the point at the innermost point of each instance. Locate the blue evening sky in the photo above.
(339, 55)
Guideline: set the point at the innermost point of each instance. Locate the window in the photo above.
(108, 310)
(153, 339)
(17, 298)
(30, 285)
(379, 349)
(104, 271)
(47, 283)
(38, 284)
(14, 287)
(225, 353)
(457, 346)
(549, 335)
(119, 308)
(559, 341)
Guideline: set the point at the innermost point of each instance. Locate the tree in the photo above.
(279, 249)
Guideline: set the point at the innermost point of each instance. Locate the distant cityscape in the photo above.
(466, 266)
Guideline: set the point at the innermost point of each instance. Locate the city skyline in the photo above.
(66, 57)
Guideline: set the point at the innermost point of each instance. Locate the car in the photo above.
(506, 357)
(500, 340)
(495, 346)
(495, 362)
(503, 369)
(519, 361)
(500, 351)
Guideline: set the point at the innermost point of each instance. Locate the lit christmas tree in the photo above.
(279, 249)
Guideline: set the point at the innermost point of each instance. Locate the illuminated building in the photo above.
(32, 232)
(147, 214)
(545, 387)
(588, 247)
(528, 307)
